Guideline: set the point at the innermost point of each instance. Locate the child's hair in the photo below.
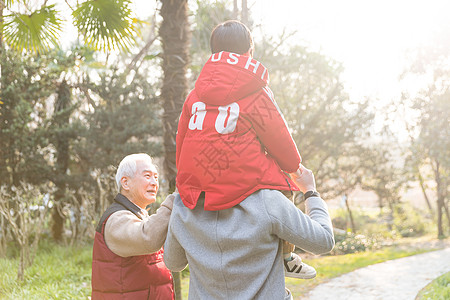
(231, 36)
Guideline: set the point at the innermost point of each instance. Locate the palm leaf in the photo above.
(8, 3)
(106, 24)
(37, 31)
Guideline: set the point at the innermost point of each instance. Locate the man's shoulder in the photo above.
(119, 217)
(177, 200)
(178, 206)
(114, 207)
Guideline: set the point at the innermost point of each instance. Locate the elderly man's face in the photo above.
(144, 185)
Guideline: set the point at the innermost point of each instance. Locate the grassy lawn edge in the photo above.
(439, 288)
(61, 272)
(329, 267)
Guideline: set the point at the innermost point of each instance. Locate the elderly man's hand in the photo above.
(304, 178)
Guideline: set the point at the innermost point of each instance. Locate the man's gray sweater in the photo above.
(236, 253)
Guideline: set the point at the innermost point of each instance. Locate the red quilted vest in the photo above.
(232, 139)
(135, 277)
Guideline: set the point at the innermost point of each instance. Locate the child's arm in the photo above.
(272, 130)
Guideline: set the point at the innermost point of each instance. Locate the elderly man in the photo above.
(127, 256)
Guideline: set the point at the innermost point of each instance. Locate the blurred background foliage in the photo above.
(69, 114)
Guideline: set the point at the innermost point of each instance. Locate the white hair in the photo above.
(128, 166)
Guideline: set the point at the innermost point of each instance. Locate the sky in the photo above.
(370, 38)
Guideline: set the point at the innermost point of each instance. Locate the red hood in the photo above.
(228, 77)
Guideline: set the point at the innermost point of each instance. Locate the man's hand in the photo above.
(304, 178)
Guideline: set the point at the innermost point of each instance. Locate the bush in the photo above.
(407, 221)
(353, 243)
(404, 221)
(369, 223)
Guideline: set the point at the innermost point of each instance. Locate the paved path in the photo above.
(399, 279)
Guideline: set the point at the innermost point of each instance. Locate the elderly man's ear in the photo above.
(124, 182)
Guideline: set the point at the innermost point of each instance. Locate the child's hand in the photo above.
(304, 179)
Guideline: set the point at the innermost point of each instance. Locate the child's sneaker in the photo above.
(297, 269)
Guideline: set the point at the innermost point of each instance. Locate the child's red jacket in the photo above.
(232, 139)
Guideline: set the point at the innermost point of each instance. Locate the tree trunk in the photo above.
(77, 226)
(350, 215)
(425, 196)
(235, 10)
(447, 214)
(244, 13)
(3, 237)
(60, 121)
(380, 203)
(21, 269)
(391, 206)
(1, 24)
(440, 200)
(445, 200)
(3, 152)
(439, 219)
(175, 37)
(57, 218)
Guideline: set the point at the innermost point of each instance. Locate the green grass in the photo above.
(333, 266)
(185, 287)
(57, 273)
(65, 272)
(438, 289)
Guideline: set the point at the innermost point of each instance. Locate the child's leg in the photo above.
(288, 248)
(296, 268)
(293, 264)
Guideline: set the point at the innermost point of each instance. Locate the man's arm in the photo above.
(174, 254)
(312, 232)
(127, 235)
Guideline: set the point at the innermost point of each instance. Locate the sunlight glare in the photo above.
(369, 37)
